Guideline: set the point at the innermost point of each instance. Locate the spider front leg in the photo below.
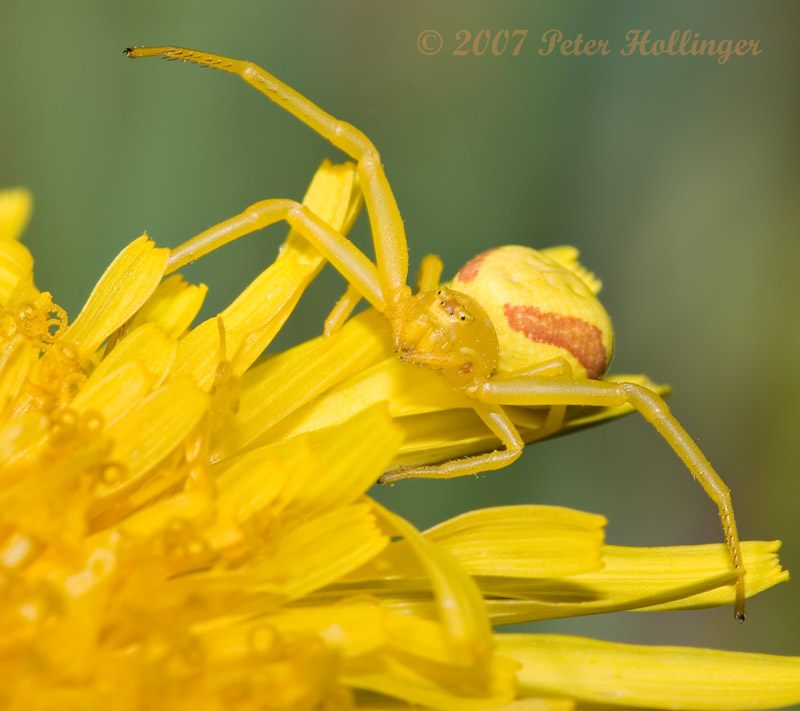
(501, 426)
(341, 311)
(336, 248)
(557, 367)
(391, 251)
(430, 273)
(427, 280)
(497, 420)
(564, 391)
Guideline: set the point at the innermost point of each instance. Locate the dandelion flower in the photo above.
(183, 526)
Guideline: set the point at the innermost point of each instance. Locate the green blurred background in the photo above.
(676, 177)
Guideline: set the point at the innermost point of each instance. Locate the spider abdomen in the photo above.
(543, 306)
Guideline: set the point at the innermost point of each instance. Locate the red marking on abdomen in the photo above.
(470, 270)
(584, 340)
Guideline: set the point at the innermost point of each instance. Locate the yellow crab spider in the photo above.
(547, 346)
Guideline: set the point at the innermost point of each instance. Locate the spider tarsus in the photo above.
(740, 617)
(386, 478)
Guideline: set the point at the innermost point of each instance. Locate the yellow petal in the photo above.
(429, 686)
(199, 352)
(187, 506)
(306, 475)
(355, 627)
(547, 704)
(16, 270)
(650, 569)
(401, 655)
(151, 430)
(261, 480)
(117, 394)
(523, 541)
(172, 306)
(406, 388)
(351, 459)
(651, 677)
(281, 385)
(301, 558)
(17, 355)
(21, 441)
(678, 577)
(147, 346)
(124, 287)
(326, 548)
(512, 544)
(458, 599)
(16, 206)
(568, 256)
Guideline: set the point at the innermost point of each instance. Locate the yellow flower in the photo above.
(182, 527)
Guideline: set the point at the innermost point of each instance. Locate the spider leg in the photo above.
(554, 367)
(564, 391)
(549, 368)
(391, 251)
(499, 423)
(341, 311)
(430, 271)
(336, 248)
(427, 280)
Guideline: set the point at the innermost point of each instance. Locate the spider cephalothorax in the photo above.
(448, 331)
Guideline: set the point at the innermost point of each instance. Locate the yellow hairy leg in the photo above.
(391, 250)
(554, 390)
